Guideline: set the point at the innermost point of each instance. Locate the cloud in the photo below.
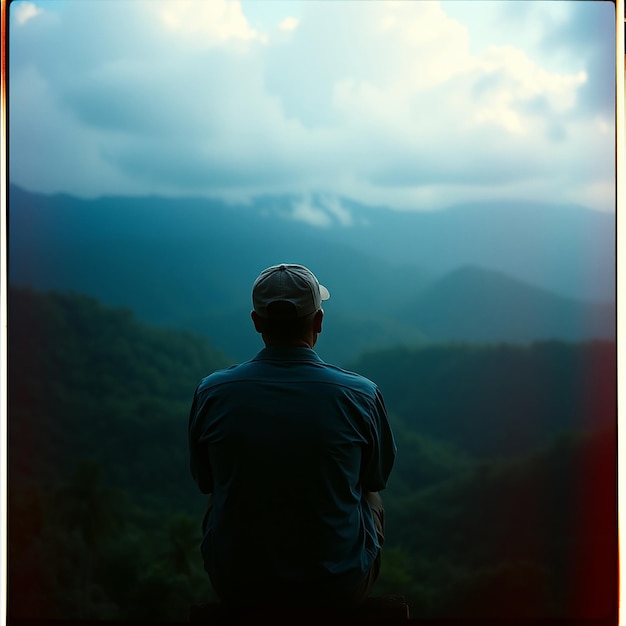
(305, 211)
(319, 210)
(339, 212)
(25, 11)
(394, 103)
(566, 34)
(214, 22)
(289, 23)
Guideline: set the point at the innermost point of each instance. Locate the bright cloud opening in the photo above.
(289, 24)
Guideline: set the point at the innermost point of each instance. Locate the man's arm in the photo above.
(382, 452)
(198, 450)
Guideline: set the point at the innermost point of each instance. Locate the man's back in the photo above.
(289, 447)
(293, 452)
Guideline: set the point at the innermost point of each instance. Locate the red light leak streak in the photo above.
(3, 97)
(3, 281)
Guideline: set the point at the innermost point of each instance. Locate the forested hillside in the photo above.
(502, 502)
(498, 400)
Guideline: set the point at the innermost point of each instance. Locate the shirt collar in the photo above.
(288, 353)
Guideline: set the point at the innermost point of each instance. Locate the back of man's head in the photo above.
(287, 283)
(286, 298)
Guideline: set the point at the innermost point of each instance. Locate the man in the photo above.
(292, 451)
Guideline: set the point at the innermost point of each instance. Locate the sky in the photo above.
(411, 105)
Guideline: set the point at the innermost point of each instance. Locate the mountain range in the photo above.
(490, 273)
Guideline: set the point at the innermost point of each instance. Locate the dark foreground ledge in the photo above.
(313, 619)
(387, 609)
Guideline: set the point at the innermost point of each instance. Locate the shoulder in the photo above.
(351, 379)
(221, 376)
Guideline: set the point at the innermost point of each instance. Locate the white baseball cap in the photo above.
(288, 282)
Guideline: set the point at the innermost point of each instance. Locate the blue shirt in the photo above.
(288, 445)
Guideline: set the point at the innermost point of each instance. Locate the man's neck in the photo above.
(300, 343)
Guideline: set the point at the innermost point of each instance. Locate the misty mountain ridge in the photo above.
(566, 249)
(474, 304)
(190, 263)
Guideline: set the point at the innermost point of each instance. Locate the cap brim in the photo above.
(324, 293)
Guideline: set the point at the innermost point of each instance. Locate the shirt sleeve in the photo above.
(198, 450)
(381, 455)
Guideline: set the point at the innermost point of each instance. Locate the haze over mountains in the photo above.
(492, 273)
